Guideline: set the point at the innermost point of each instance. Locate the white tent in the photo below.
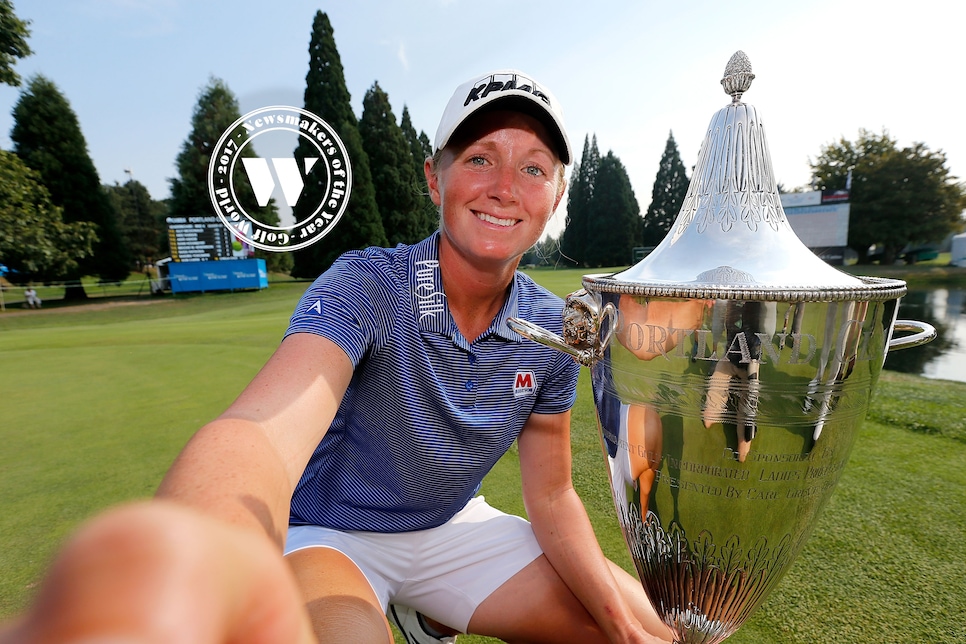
(958, 250)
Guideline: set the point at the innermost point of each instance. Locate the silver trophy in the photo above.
(731, 370)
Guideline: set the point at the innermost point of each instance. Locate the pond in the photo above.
(945, 357)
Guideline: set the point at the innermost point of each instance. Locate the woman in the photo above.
(396, 388)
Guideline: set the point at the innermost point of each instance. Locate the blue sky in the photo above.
(628, 72)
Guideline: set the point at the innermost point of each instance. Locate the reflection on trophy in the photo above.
(731, 370)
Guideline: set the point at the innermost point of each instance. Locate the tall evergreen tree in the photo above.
(418, 143)
(421, 148)
(667, 195)
(327, 96)
(615, 225)
(393, 173)
(425, 144)
(216, 110)
(573, 241)
(141, 219)
(48, 138)
(13, 43)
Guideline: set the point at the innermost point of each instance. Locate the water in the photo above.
(945, 357)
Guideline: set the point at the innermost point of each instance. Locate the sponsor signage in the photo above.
(242, 274)
(820, 219)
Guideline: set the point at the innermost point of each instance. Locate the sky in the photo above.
(629, 73)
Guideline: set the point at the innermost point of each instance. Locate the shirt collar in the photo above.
(510, 309)
(429, 300)
(426, 287)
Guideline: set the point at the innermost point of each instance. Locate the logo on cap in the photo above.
(513, 81)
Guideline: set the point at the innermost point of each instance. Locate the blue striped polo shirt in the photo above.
(427, 413)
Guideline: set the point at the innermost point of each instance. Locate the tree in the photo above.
(573, 241)
(13, 43)
(667, 195)
(418, 143)
(216, 110)
(393, 173)
(614, 224)
(420, 149)
(48, 138)
(141, 219)
(898, 196)
(327, 96)
(35, 243)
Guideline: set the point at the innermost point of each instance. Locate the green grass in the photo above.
(887, 560)
(566, 280)
(136, 285)
(95, 404)
(934, 272)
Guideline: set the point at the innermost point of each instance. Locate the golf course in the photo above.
(97, 399)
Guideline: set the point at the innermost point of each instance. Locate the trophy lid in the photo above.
(732, 239)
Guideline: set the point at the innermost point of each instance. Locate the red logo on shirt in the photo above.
(524, 384)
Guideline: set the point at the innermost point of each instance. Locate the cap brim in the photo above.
(525, 103)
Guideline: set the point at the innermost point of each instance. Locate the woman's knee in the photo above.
(341, 604)
(535, 605)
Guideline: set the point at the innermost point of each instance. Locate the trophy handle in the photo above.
(583, 320)
(926, 333)
(539, 334)
(609, 312)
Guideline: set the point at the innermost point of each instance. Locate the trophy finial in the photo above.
(738, 76)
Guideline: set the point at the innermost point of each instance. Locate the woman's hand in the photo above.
(158, 572)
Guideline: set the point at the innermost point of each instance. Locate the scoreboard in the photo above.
(199, 239)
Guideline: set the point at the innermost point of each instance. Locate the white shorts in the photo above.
(443, 572)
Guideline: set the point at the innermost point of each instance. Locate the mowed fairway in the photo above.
(95, 404)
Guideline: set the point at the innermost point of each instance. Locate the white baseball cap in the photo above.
(513, 90)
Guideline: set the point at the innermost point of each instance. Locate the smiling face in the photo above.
(497, 185)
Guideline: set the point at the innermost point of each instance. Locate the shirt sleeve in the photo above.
(559, 391)
(346, 305)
